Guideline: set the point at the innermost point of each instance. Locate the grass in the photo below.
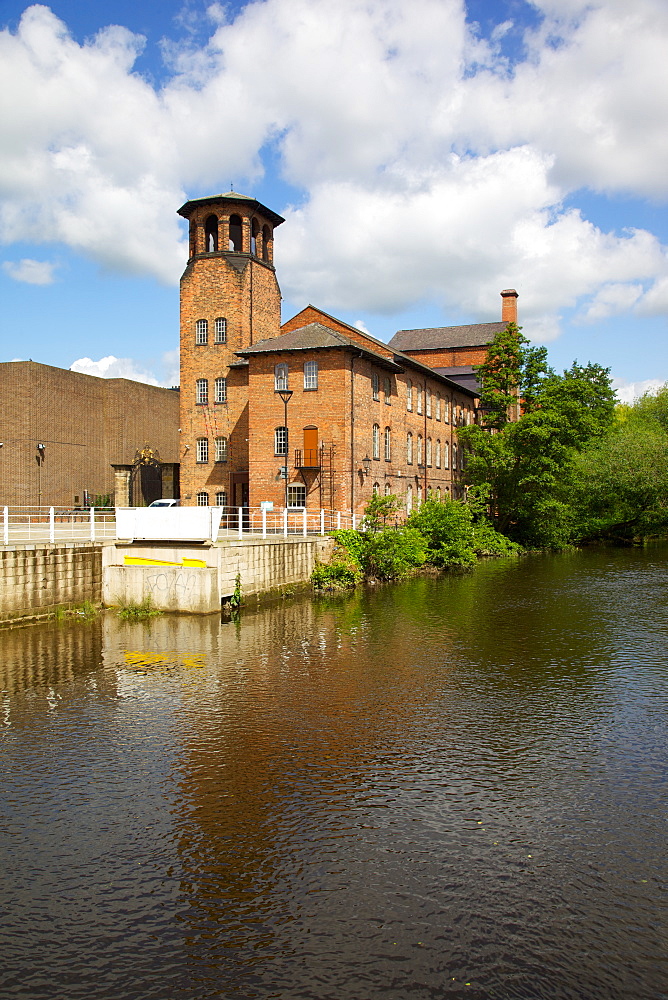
(138, 612)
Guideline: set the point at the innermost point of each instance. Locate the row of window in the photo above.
(219, 390)
(203, 499)
(213, 241)
(434, 494)
(460, 415)
(310, 376)
(431, 451)
(220, 450)
(219, 331)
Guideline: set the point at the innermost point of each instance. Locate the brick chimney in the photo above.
(509, 305)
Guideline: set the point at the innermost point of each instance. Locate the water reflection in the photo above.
(407, 790)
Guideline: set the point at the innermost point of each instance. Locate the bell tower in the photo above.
(230, 300)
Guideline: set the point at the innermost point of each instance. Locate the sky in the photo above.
(425, 155)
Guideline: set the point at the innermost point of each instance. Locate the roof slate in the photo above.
(444, 337)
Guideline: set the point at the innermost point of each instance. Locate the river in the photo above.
(450, 787)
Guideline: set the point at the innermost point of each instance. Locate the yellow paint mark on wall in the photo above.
(142, 561)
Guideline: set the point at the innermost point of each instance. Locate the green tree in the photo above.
(528, 465)
(513, 371)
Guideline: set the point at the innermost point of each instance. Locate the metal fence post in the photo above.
(264, 522)
(52, 525)
(338, 520)
(5, 525)
(304, 523)
(285, 522)
(241, 522)
(353, 520)
(92, 524)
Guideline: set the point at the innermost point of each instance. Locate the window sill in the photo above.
(311, 388)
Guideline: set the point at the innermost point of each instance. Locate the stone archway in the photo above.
(145, 477)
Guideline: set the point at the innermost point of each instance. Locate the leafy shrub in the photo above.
(447, 528)
(393, 554)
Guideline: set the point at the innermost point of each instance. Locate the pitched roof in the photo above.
(314, 335)
(443, 337)
(317, 336)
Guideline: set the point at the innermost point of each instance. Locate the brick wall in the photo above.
(344, 411)
(85, 423)
(451, 357)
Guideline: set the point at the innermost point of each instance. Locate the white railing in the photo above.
(55, 524)
(20, 525)
(239, 522)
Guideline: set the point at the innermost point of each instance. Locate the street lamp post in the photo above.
(285, 395)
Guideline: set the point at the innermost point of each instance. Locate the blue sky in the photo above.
(424, 155)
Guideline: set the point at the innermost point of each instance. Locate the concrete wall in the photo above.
(35, 579)
(194, 579)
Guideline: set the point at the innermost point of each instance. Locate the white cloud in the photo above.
(111, 367)
(611, 300)
(628, 391)
(360, 325)
(428, 168)
(32, 272)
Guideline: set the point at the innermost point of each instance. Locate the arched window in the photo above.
(211, 234)
(388, 489)
(202, 391)
(419, 495)
(376, 489)
(438, 453)
(446, 455)
(409, 395)
(220, 335)
(388, 444)
(280, 377)
(409, 448)
(446, 410)
(428, 451)
(203, 499)
(375, 442)
(454, 457)
(202, 451)
(428, 398)
(387, 390)
(375, 386)
(221, 498)
(201, 331)
(310, 374)
(255, 229)
(220, 393)
(438, 493)
(221, 449)
(409, 498)
(281, 441)
(296, 495)
(236, 239)
(266, 240)
(419, 399)
(438, 406)
(419, 449)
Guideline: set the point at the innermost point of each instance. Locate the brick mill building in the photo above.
(312, 412)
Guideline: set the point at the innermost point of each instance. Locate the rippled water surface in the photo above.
(447, 788)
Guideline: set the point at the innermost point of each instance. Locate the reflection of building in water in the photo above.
(40, 656)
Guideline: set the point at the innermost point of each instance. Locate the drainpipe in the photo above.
(352, 432)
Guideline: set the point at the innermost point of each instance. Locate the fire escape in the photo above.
(318, 464)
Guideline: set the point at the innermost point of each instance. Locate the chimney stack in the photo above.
(509, 305)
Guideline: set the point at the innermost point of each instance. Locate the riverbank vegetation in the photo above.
(576, 466)
(567, 466)
(449, 534)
